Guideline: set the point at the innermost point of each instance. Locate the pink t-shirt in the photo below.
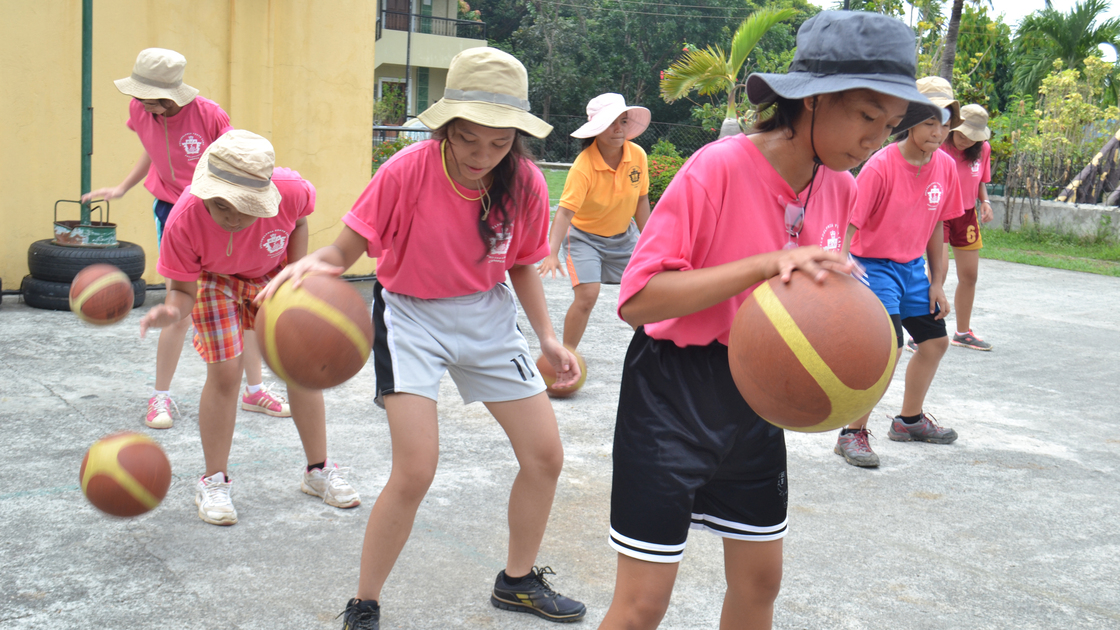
(899, 204)
(427, 236)
(175, 151)
(727, 203)
(971, 174)
(193, 241)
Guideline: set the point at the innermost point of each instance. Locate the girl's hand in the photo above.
(551, 264)
(103, 193)
(937, 299)
(306, 266)
(985, 211)
(562, 361)
(160, 316)
(812, 261)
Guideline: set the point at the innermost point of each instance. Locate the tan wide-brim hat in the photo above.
(158, 73)
(974, 123)
(940, 93)
(604, 109)
(238, 167)
(488, 87)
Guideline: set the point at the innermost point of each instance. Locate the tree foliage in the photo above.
(1048, 35)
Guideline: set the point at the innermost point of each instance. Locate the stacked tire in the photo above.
(53, 268)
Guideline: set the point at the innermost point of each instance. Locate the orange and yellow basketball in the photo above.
(125, 474)
(549, 376)
(317, 336)
(812, 357)
(101, 295)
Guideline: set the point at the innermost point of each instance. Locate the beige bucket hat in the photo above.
(158, 73)
(238, 167)
(604, 109)
(974, 123)
(488, 87)
(940, 93)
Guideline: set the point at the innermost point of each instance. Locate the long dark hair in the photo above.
(781, 114)
(504, 188)
(972, 153)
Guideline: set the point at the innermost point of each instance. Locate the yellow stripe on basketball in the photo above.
(103, 461)
(305, 300)
(848, 404)
(95, 286)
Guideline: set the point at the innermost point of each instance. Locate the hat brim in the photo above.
(182, 95)
(974, 134)
(763, 88)
(493, 115)
(263, 203)
(638, 121)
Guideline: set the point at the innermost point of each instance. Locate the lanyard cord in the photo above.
(167, 143)
(483, 192)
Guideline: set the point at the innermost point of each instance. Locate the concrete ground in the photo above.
(1016, 525)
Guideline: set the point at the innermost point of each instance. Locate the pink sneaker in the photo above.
(159, 412)
(265, 401)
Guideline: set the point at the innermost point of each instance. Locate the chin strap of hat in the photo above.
(816, 159)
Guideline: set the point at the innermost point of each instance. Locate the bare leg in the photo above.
(641, 594)
(862, 422)
(168, 350)
(530, 425)
(414, 429)
(754, 577)
(311, 421)
(968, 263)
(251, 358)
(920, 372)
(217, 413)
(575, 322)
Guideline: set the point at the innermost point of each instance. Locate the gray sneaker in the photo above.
(924, 430)
(969, 340)
(856, 449)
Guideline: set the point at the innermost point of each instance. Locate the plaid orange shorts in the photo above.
(222, 312)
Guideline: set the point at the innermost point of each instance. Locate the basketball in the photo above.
(101, 295)
(812, 357)
(549, 376)
(317, 336)
(125, 474)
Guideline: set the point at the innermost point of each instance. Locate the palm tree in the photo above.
(709, 72)
(1048, 35)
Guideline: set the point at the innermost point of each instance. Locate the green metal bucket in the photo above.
(90, 234)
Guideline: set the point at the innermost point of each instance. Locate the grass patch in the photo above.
(1099, 254)
(555, 179)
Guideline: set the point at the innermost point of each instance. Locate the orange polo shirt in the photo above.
(604, 198)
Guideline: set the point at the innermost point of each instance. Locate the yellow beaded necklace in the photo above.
(483, 192)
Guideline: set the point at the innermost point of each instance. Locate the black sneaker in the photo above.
(361, 615)
(534, 595)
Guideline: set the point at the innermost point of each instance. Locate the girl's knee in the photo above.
(546, 462)
(411, 483)
(759, 586)
(641, 609)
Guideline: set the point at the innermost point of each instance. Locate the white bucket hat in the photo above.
(488, 87)
(158, 73)
(238, 167)
(974, 123)
(940, 93)
(604, 109)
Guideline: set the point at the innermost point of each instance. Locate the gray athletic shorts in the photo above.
(594, 258)
(474, 337)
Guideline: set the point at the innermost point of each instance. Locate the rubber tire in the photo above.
(55, 296)
(56, 263)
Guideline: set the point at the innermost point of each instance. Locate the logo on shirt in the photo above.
(933, 194)
(635, 176)
(275, 243)
(975, 168)
(499, 246)
(192, 145)
(831, 239)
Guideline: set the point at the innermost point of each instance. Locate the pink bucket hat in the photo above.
(605, 109)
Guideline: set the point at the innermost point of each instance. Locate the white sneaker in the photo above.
(159, 412)
(330, 484)
(213, 500)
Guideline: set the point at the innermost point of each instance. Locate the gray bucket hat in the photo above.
(847, 50)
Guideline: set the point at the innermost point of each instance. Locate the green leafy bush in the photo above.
(664, 162)
(387, 149)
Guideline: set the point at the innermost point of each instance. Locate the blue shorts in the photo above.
(161, 209)
(903, 288)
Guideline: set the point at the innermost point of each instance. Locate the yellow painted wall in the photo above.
(299, 72)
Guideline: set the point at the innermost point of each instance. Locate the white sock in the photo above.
(156, 392)
(961, 334)
(254, 388)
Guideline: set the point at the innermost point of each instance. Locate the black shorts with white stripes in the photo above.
(690, 452)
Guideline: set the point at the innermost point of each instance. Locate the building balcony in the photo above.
(435, 40)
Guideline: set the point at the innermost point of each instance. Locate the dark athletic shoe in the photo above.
(924, 430)
(361, 615)
(969, 340)
(535, 595)
(911, 346)
(856, 450)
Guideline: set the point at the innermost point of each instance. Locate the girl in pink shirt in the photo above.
(688, 451)
(449, 218)
(229, 234)
(175, 126)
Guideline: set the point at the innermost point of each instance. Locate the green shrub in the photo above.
(662, 169)
(387, 149)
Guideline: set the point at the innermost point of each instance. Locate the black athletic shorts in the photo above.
(689, 452)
